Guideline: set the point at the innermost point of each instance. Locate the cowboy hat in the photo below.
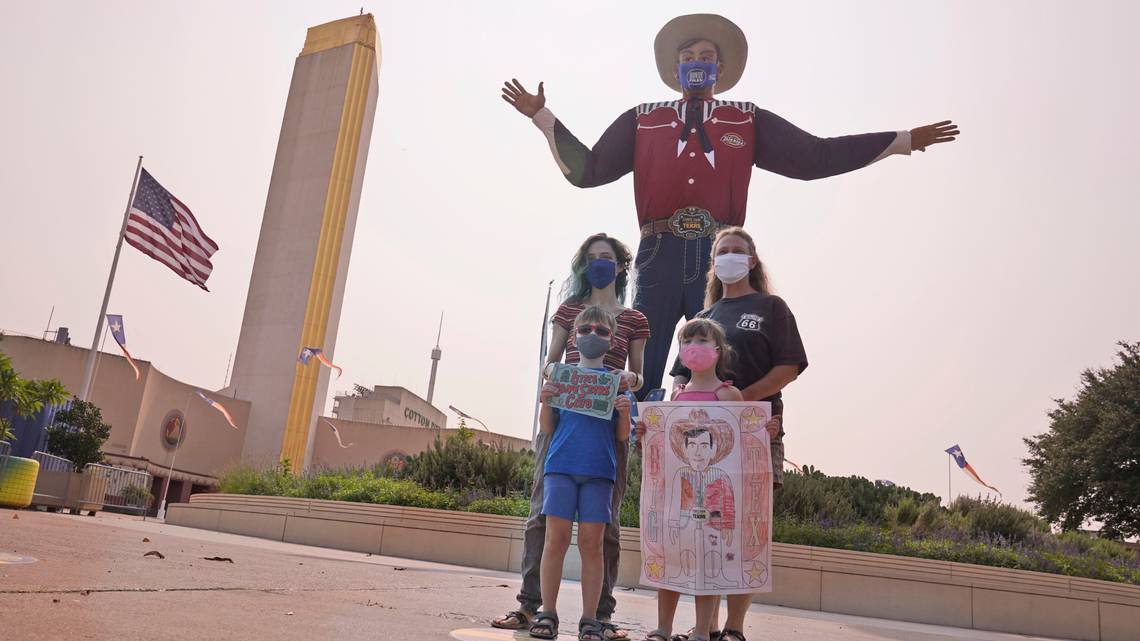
(720, 434)
(706, 26)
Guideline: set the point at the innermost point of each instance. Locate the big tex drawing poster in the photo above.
(706, 497)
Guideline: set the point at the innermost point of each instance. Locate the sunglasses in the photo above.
(600, 330)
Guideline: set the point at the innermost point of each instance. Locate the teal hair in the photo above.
(577, 289)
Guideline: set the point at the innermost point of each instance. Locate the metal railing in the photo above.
(118, 487)
(52, 463)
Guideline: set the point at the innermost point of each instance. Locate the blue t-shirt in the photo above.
(583, 445)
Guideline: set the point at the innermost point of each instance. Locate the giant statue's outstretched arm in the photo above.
(785, 149)
(609, 159)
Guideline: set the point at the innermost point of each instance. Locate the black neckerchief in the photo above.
(694, 119)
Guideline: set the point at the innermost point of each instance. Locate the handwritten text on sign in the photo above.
(585, 391)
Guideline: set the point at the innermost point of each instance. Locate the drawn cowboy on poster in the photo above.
(698, 536)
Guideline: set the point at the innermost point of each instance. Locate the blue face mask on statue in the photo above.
(696, 74)
(601, 272)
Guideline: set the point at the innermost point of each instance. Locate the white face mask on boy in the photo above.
(731, 268)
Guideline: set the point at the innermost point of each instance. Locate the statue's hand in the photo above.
(923, 137)
(527, 104)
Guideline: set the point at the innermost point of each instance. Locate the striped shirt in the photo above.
(631, 326)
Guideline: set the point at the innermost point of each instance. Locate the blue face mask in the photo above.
(601, 272)
(696, 74)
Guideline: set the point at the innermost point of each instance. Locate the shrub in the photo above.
(460, 463)
(78, 434)
(810, 498)
(137, 495)
(811, 495)
(507, 506)
(901, 514)
(908, 524)
(988, 517)
(931, 517)
(247, 479)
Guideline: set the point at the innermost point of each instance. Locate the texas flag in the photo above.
(119, 332)
(308, 353)
(218, 406)
(960, 459)
(336, 433)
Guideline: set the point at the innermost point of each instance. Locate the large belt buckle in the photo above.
(691, 223)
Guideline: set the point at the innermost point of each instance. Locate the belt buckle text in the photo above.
(691, 223)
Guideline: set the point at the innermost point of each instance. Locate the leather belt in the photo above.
(689, 223)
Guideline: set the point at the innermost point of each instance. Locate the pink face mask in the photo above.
(698, 357)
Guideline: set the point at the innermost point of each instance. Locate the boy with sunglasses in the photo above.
(578, 483)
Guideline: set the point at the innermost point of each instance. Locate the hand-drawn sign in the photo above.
(706, 497)
(582, 390)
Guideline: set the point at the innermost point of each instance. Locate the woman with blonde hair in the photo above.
(768, 352)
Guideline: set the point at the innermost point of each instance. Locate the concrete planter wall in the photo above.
(74, 491)
(876, 585)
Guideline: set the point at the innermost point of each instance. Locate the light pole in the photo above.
(463, 414)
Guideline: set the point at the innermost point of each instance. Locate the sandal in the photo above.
(736, 635)
(590, 630)
(544, 626)
(713, 636)
(522, 620)
(613, 633)
(657, 635)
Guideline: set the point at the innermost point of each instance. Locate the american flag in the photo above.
(163, 228)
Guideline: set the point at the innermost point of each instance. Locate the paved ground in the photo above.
(91, 580)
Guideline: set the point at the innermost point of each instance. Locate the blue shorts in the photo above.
(586, 497)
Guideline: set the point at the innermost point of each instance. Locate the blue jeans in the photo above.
(671, 277)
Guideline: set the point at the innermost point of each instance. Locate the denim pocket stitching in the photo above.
(638, 263)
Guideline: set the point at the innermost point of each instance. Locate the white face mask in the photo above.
(730, 268)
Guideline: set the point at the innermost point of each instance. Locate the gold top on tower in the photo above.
(357, 29)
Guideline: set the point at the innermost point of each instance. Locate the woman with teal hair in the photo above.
(599, 276)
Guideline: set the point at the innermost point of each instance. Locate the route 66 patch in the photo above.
(750, 322)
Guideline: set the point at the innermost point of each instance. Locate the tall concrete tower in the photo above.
(297, 286)
(436, 354)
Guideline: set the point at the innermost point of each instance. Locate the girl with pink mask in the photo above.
(704, 350)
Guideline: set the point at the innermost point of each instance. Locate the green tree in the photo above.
(1087, 466)
(28, 396)
(78, 434)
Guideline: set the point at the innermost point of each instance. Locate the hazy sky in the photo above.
(943, 298)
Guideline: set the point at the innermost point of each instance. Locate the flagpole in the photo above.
(948, 486)
(99, 358)
(541, 362)
(89, 372)
(173, 457)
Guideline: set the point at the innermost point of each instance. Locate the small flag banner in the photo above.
(119, 332)
(218, 406)
(960, 459)
(336, 433)
(309, 353)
